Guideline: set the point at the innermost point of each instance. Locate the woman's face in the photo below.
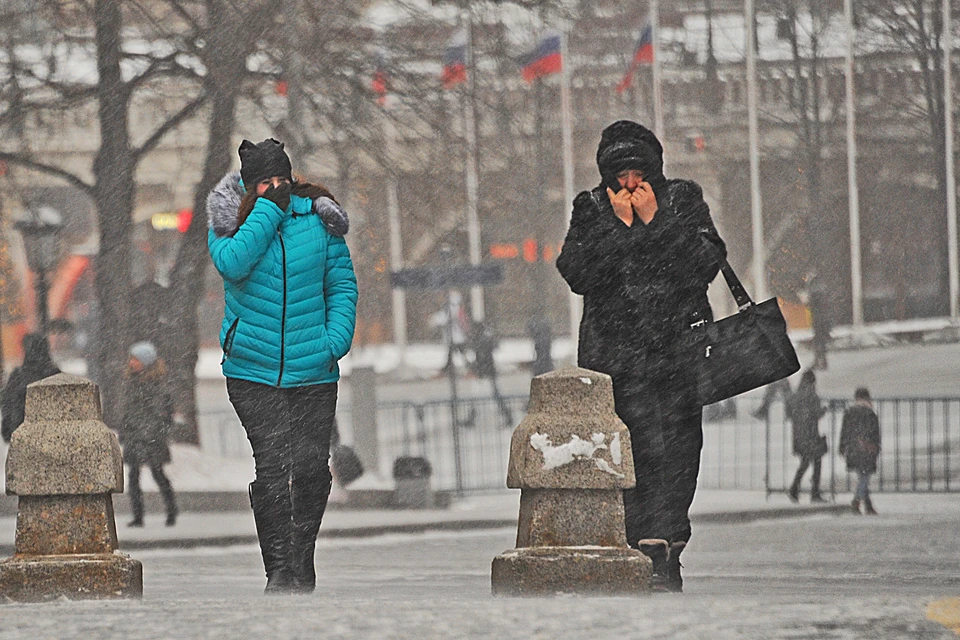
(264, 184)
(630, 179)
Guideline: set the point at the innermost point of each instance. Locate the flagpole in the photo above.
(566, 108)
(853, 196)
(658, 126)
(470, 133)
(396, 245)
(951, 185)
(756, 202)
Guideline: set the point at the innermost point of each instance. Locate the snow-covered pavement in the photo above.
(815, 577)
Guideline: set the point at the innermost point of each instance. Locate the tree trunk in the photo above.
(226, 63)
(113, 195)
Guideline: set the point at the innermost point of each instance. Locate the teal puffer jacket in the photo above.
(290, 296)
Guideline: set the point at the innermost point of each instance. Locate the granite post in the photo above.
(63, 464)
(571, 460)
(363, 385)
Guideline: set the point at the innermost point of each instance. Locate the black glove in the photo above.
(279, 196)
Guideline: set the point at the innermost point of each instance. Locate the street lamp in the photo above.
(41, 240)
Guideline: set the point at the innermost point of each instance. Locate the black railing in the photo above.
(742, 449)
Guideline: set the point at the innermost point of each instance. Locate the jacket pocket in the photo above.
(228, 340)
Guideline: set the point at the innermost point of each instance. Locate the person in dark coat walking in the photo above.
(484, 344)
(37, 365)
(860, 446)
(821, 319)
(805, 410)
(290, 296)
(642, 250)
(145, 428)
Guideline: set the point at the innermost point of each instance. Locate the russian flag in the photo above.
(642, 54)
(455, 60)
(544, 60)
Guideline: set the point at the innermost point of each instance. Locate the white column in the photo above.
(396, 261)
(856, 273)
(658, 126)
(953, 265)
(758, 267)
(470, 133)
(568, 175)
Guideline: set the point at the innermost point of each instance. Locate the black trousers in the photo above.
(805, 462)
(666, 434)
(136, 494)
(289, 431)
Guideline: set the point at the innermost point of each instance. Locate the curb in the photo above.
(755, 515)
(734, 517)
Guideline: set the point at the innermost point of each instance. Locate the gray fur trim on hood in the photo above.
(333, 216)
(223, 205)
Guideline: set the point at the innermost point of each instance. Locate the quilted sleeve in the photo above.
(235, 256)
(340, 293)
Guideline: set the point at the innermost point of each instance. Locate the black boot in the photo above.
(309, 503)
(169, 499)
(657, 550)
(272, 514)
(868, 507)
(674, 581)
(794, 492)
(137, 507)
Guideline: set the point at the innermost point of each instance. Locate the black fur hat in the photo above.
(628, 145)
(264, 160)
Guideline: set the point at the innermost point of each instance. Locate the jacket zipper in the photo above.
(228, 340)
(283, 314)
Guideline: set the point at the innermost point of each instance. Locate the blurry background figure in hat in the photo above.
(642, 250)
(37, 365)
(145, 428)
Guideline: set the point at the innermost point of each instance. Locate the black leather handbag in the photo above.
(744, 351)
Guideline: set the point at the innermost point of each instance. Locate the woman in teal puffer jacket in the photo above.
(290, 308)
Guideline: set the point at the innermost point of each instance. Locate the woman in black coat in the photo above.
(860, 446)
(642, 250)
(805, 409)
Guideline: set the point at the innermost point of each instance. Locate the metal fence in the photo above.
(740, 451)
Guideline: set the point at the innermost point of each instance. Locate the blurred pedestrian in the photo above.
(821, 319)
(804, 409)
(542, 338)
(454, 323)
(289, 317)
(145, 428)
(770, 392)
(485, 342)
(642, 250)
(860, 446)
(37, 365)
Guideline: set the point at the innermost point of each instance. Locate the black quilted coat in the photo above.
(641, 285)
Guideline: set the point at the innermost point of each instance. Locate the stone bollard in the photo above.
(571, 460)
(64, 463)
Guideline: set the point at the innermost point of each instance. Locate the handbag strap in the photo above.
(736, 287)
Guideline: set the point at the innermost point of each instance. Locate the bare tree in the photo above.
(139, 49)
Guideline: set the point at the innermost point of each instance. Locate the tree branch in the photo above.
(172, 123)
(23, 161)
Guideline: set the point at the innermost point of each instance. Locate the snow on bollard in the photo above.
(571, 460)
(64, 463)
